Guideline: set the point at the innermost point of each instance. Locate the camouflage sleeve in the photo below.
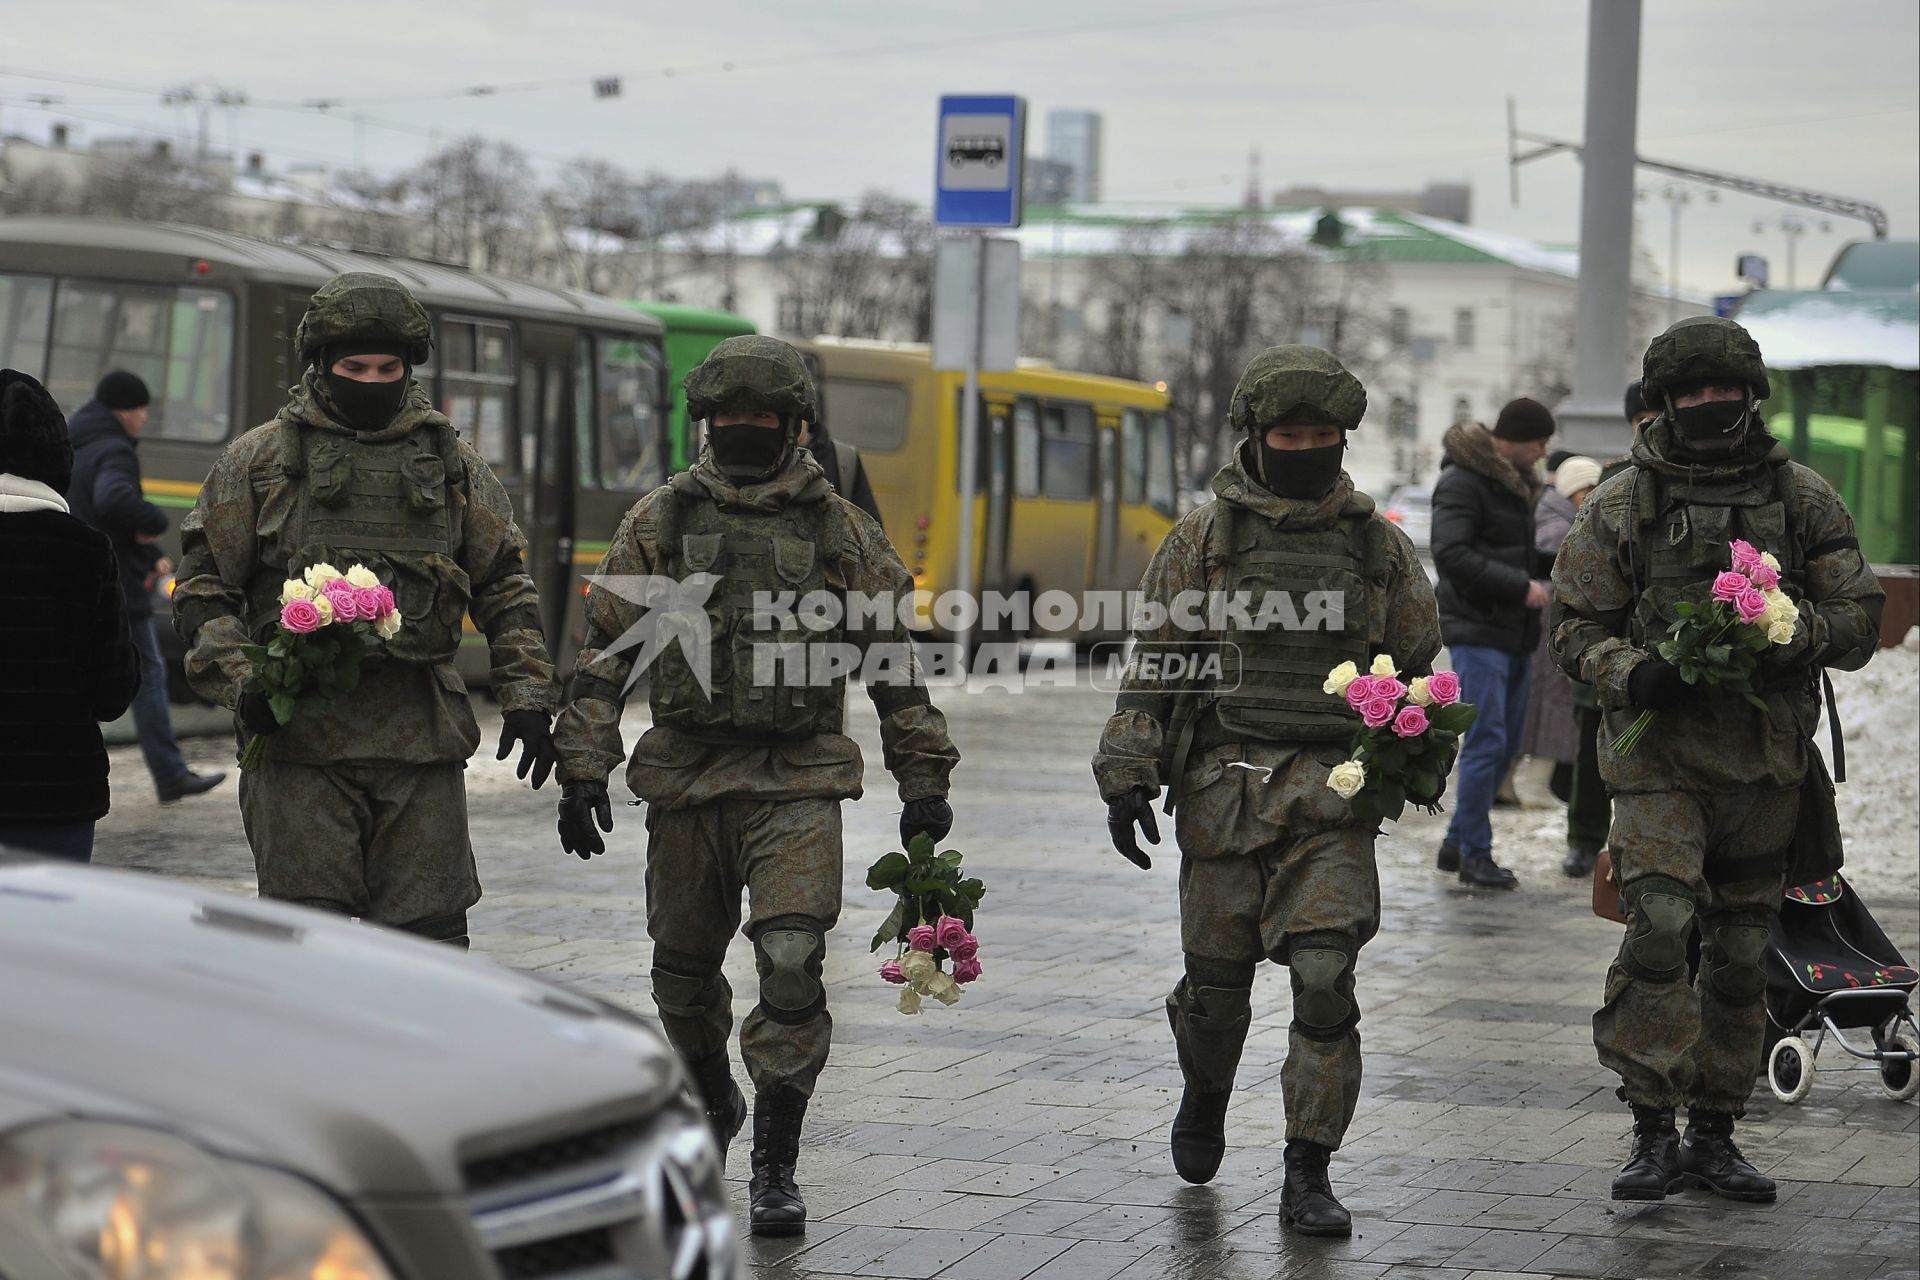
(505, 605)
(1593, 595)
(218, 556)
(1844, 598)
(1130, 745)
(1408, 624)
(587, 734)
(913, 734)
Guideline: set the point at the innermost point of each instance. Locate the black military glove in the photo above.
(256, 714)
(931, 815)
(581, 803)
(1656, 684)
(1809, 636)
(1134, 807)
(529, 729)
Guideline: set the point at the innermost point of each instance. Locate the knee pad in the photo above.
(683, 986)
(1661, 910)
(788, 952)
(1736, 960)
(448, 928)
(1320, 967)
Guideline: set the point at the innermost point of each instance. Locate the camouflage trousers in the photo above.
(1687, 858)
(1274, 870)
(786, 855)
(387, 843)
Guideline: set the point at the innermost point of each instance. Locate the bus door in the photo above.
(995, 481)
(546, 384)
(1147, 492)
(1106, 520)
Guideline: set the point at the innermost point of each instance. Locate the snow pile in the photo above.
(1879, 802)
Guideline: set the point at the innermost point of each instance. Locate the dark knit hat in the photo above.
(1523, 419)
(33, 433)
(1636, 403)
(123, 390)
(1557, 457)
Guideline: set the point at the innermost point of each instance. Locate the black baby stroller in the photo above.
(1829, 967)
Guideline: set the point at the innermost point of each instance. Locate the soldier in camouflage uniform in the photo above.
(360, 807)
(743, 783)
(1708, 806)
(1274, 865)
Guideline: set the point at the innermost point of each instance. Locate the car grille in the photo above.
(640, 1200)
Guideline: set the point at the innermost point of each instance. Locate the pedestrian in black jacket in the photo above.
(841, 462)
(106, 494)
(66, 659)
(1491, 593)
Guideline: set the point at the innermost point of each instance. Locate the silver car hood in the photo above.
(367, 1060)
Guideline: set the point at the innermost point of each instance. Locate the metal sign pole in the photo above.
(970, 433)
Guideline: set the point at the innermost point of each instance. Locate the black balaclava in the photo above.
(748, 453)
(365, 406)
(1303, 474)
(1713, 429)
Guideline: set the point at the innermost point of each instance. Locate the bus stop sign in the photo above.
(983, 145)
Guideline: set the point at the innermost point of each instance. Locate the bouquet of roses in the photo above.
(1719, 643)
(1410, 733)
(328, 622)
(931, 922)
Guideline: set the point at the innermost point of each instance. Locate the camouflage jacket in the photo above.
(1722, 742)
(237, 534)
(1402, 619)
(674, 771)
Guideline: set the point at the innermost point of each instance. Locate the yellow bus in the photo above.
(1075, 488)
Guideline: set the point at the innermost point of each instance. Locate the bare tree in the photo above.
(153, 186)
(592, 210)
(478, 204)
(864, 275)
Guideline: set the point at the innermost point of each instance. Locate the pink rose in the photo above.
(1411, 722)
(1387, 687)
(1359, 691)
(386, 602)
(299, 617)
(1746, 557)
(1728, 586)
(891, 972)
(965, 949)
(366, 600)
(1444, 688)
(921, 938)
(1765, 577)
(1378, 711)
(344, 599)
(1751, 605)
(965, 971)
(949, 932)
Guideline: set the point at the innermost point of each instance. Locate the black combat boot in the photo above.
(720, 1098)
(1448, 859)
(1654, 1167)
(1306, 1197)
(1709, 1160)
(778, 1209)
(1578, 864)
(1200, 1133)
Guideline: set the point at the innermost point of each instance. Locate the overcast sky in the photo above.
(834, 97)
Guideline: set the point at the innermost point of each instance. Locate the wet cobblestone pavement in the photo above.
(1022, 1133)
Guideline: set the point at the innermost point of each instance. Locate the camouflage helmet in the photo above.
(752, 372)
(361, 306)
(1699, 348)
(1296, 385)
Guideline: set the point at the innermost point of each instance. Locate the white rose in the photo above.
(1347, 778)
(1383, 666)
(917, 967)
(1780, 605)
(1781, 630)
(1417, 692)
(1767, 559)
(388, 627)
(909, 1001)
(325, 606)
(1339, 678)
(362, 577)
(294, 589)
(942, 988)
(320, 575)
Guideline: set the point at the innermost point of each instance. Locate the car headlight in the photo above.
(118, 1202)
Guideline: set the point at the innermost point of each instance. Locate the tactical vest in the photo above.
(1278, 694)
(781, 553)
(1681, 535)
(388, 506)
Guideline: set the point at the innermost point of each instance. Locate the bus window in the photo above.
(178, 341)
(629, 450)
(584, 433)
(1066, 451)
(1026, 450)
(1160, 475)
(26, 305)
(870, 416)
(1133, 458)
(476, 388)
